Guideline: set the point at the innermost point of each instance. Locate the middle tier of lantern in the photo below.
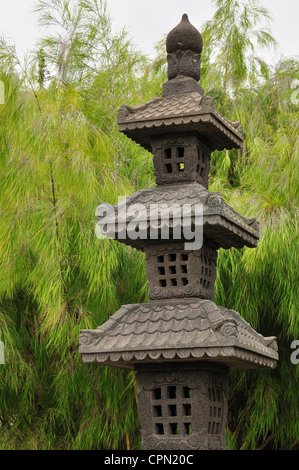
(181, 158)
(174, 272)
(174, 268)
(158, 214)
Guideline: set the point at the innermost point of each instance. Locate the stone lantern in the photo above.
(181, 344)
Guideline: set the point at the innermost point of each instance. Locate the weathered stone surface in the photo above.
(184, 46)
(184, 63)
(177, 330)
(184, 37)
(182, 406)
(181, 86)
(173, 273)
(189, 112)
(180, 343)
(181, 159)
(222, 225)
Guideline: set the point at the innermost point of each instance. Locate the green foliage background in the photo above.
(61, 155)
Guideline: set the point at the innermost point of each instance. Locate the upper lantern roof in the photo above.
(183, 106)
(186, 112)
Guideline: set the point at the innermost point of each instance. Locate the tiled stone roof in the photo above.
(223, 226)
(177, 330)
(190, 111)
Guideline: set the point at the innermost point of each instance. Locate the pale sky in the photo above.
(148, 21)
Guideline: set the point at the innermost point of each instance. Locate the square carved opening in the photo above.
(172, 410)
(172, 269)
(173, 160)
(177, 273)
(181, 159)
(216, 411)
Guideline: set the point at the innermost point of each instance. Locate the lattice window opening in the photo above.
(172, 270)
(158, 411)
(167, 153)
(214, 394)
(180, 428)
(215, 411)
(172, 416)
(202, 166)
(174, 159)
(187, 409)
(159, 428)
(207, 270)
(157, 395)
(172, 410)
(179, 269)
(171, 392)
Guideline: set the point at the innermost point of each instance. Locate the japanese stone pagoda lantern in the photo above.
(181, 344)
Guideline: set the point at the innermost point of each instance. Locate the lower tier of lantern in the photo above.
(182, 406)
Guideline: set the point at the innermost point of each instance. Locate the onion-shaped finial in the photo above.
(184, 37)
